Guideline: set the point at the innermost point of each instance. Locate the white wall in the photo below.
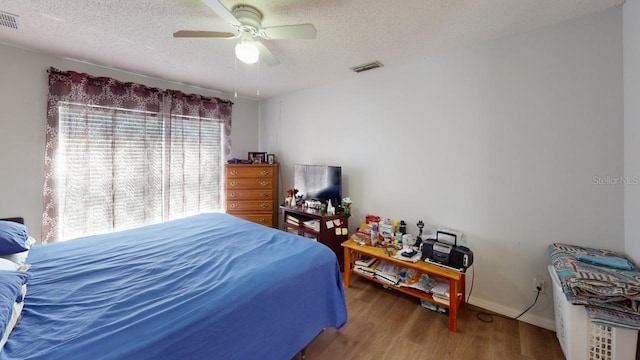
(631, 39)
(23, 100)
(501, 141)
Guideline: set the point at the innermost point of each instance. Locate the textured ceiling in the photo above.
(136, 35)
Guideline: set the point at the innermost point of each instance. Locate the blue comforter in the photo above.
(210, 286)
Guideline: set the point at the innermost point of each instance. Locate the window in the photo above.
(122, 155)
(119, 169)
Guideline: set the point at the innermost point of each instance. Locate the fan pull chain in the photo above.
(235, 72)
(258, 85)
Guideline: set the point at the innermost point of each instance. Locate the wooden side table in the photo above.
(456, 279)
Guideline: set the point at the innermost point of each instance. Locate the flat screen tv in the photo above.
(318, 182)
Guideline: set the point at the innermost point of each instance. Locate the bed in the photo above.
(210, 286)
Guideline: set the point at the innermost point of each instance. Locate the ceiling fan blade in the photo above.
(266, 55)
(222, 11)
(300, 31)
(203, 34)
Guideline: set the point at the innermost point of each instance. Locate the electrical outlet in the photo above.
(538, 282)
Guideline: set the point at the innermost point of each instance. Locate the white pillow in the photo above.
(11, 266)
(8, 265)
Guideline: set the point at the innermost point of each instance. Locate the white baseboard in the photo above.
(539, 321)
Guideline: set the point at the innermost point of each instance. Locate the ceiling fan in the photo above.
(247, 21)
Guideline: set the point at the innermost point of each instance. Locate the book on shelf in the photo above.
(435, 307)
(441, 299)
(367, 270)
(292, 220)
(364, 260)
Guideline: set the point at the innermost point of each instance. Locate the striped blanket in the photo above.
(611, 296)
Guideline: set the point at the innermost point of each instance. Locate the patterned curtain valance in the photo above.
(71, 86)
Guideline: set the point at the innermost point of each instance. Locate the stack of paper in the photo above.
(312, 224)
(388, 272)
(441, 293)
(441, 288)
(418, 281)
(409, 277)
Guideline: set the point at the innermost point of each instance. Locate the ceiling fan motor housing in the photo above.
(249, 17)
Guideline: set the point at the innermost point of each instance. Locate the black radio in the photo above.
(460, 257)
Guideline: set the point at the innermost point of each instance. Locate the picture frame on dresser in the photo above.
(271, 158)
(257, 157)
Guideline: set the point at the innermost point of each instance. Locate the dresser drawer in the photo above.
(250, 205)
(250, 183)
(251, 171)
(250, 194)
(262, 219)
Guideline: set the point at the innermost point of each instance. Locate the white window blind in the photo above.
(119, 169)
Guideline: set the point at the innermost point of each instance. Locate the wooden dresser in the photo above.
(252, 192)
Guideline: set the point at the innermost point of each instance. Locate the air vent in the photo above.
(9, 20)
(368, 66)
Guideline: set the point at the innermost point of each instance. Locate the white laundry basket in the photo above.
(581, 339)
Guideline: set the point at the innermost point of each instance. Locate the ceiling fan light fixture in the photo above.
(247, 52)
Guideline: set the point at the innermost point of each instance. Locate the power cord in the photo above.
(487, 317)
(534, 302)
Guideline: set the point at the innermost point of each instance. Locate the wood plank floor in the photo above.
(385, 324)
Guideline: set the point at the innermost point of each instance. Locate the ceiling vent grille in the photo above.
(9, 20)
(367, 66)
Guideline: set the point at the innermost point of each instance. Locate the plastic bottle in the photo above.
(403, 227)
(374, 233)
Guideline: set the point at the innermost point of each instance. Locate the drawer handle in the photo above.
(263, 220)
(264, 183)
(234, 172)
(265, 172)
(234, 195)
(233, 206)
(264, 194)
(235, 183)
(264, 206)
